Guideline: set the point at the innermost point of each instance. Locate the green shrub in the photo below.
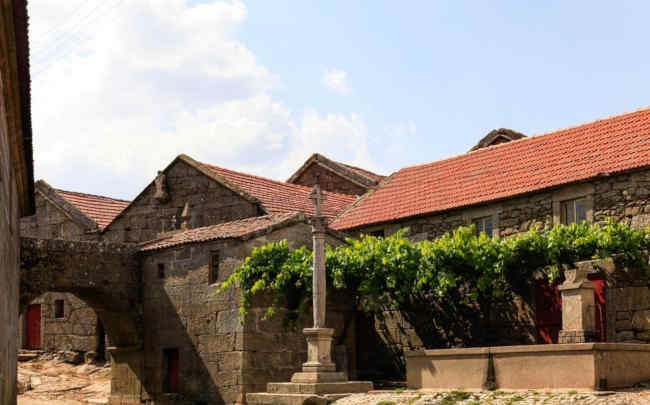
(444, 287)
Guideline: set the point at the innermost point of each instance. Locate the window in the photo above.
(170, 368)
(59, 309)
(573, 211)
(161, 270)
(377, 234)
(483, 225)
(213, 271)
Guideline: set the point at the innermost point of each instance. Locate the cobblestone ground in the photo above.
(49, 380)
(627, 397)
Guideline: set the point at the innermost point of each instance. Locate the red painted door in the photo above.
(599, 295)
(548, 312)
(34, 326)
(172, 363)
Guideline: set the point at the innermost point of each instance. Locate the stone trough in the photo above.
(582, 366)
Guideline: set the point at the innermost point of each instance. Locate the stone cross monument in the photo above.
(319, 366)
(318, 383)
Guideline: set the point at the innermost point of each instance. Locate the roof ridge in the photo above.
(90, 195)
(283, 183)
(528, 138)
(362, 198)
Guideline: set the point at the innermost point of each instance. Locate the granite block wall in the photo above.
(209, 203)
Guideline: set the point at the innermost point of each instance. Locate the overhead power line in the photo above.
(73, 41)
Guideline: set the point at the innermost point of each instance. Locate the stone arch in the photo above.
(104, 275)
(107, 277)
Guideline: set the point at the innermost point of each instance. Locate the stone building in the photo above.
(59, 321)
(590, 172)
(16, 177)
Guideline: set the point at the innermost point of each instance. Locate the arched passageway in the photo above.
(106, 276)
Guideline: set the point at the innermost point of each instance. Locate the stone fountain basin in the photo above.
(582, 366)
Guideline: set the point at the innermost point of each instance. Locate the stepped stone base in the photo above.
(318, 377)
(319, 393)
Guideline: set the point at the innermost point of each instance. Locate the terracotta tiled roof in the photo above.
(236, 229)
(605, 146)
(100, 209)
(278, 197)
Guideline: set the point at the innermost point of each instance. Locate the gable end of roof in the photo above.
(69, 210)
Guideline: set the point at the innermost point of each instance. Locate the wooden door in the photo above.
(34, 326)
(548, 312)
(599, 297)
(548, 303)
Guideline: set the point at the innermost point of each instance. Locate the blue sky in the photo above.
(259, 85)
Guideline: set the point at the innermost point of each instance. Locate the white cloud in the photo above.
(336, 80)
(148, 80)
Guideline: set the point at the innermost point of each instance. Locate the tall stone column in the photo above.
(578, 308)
(319, 366)
(319, 281)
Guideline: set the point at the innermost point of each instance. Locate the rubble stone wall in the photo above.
(77, 330)
(210, 203)
(220, 357)
(328, 180)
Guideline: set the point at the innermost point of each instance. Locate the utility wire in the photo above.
(68, 35)
(55, 26)
(46, 63)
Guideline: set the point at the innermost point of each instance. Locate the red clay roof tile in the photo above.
(100, 209)
(578, 153)
(235, 229)
(280, 197)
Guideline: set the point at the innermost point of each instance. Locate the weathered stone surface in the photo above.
(73, 357)
(641, 320)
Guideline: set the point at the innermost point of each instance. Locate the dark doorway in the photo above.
(170, 367)
(34, 326)
(101, 341)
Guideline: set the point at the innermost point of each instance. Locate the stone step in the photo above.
(265, 398)
(344, 387)
(25, 355)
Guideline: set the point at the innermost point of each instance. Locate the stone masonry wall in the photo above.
(328, 181)
(78, 329)
(220, 357)
(210, 203)
(9, 262)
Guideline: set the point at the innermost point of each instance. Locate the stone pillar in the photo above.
(319, 366)
(319, 286)
(578, 308)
